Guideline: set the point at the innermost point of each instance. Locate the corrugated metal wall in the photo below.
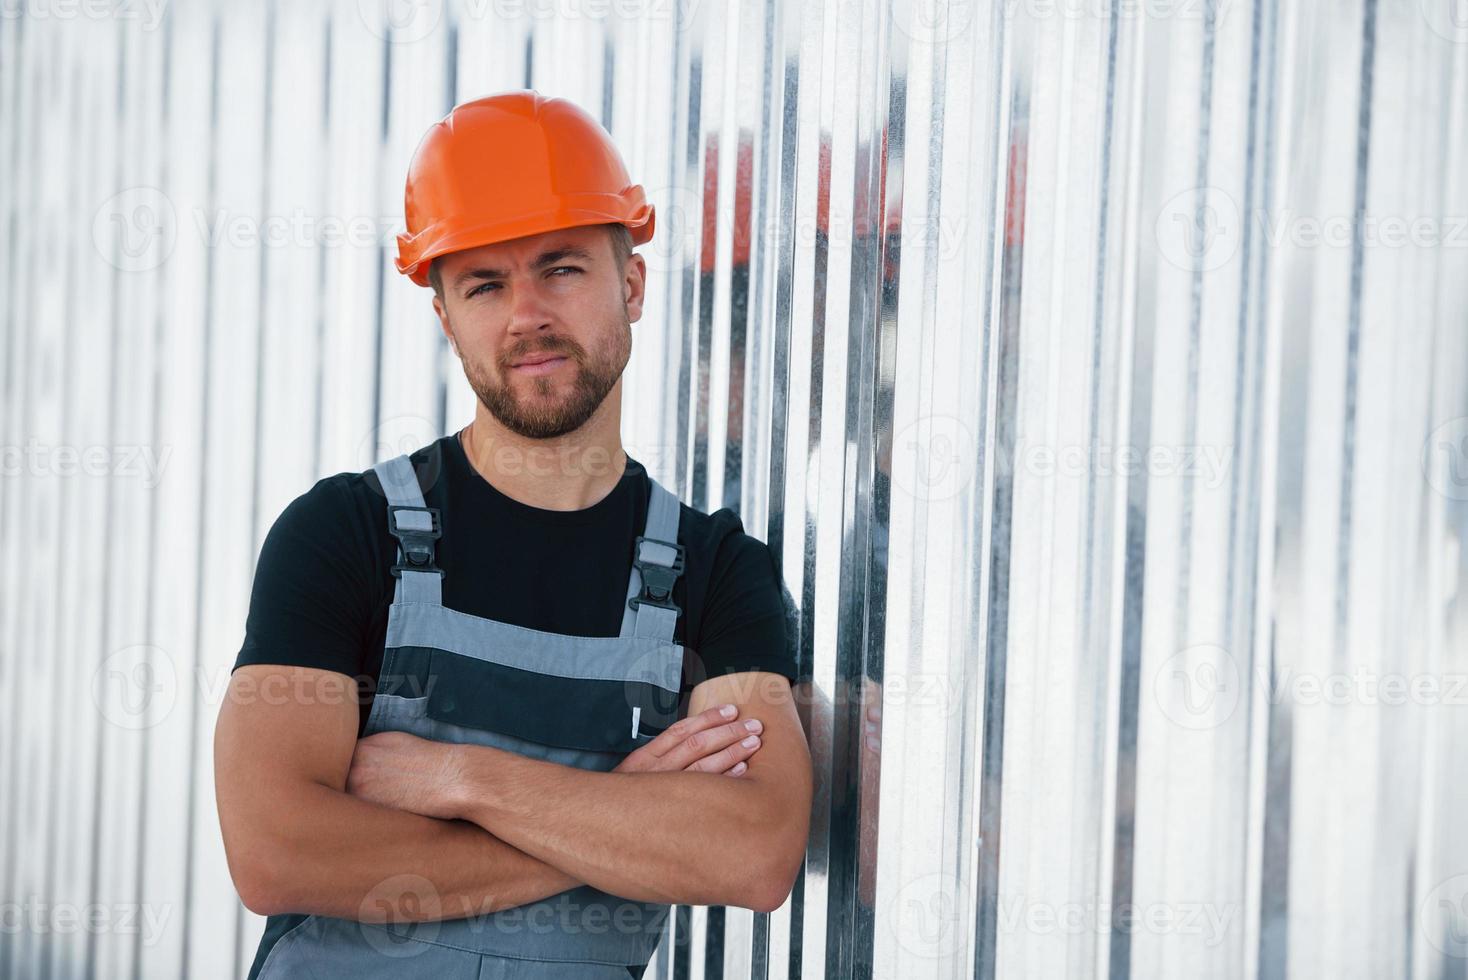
(1095, 367)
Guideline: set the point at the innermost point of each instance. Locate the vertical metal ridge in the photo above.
(688, 295)
(1006, 351)
(1195, 319)
(115, 329)
(1353, 335)
(991, 735)
(319, 340)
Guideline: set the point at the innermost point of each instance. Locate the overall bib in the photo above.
(574, 700)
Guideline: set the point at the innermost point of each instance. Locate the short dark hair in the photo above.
(621, 251)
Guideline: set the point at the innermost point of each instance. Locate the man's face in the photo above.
(542, 325)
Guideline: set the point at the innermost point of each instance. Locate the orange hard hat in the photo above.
(509, 165)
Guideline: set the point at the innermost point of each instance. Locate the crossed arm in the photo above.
(348, 828)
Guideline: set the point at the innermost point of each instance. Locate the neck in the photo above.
(568, 472)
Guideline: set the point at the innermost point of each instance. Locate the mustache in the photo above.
(548, 345)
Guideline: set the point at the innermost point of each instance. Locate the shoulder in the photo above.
(346, 512)
(723, 547)
(335, 501)
(359, 497)
(713, 533)
(745, 620)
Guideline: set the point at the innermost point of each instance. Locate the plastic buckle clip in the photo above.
(416, 542)
(657, 579)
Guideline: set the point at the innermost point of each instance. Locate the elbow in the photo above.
(256, 876)
(782, 841)
(773, 887)
(765, 885)
(260, 902)
(256, 889)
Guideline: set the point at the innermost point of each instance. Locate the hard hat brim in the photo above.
(417, 252)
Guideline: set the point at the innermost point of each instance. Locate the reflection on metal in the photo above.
(1096, 372)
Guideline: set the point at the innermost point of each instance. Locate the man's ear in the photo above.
(634, 286)
(443, 322)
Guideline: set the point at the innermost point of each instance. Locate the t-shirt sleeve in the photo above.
(310, 604)
(747, 619)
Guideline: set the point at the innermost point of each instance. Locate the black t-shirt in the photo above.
(323, 582)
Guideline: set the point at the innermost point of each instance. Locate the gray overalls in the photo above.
(575, 700)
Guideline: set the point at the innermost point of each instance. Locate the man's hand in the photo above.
(710, 741)
(420, 775)
(406, 772)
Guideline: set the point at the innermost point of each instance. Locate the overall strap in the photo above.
(657, 561)
(416, 527)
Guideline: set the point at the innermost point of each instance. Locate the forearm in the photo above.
(676, 837)
(348, 858)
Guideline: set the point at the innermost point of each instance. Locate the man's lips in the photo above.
(540, 363)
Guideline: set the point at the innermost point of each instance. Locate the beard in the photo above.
(541, 413)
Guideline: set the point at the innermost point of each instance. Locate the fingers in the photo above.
(706, 742)
(679, 732)
(720, 749)
(653, 757)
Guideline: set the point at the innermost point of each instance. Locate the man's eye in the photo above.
(476, 290)
(566, 268)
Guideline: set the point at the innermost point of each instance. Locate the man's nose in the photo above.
(529, 312)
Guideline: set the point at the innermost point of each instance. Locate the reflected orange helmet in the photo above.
(510, 165)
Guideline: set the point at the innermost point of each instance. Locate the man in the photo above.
(577, 707)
